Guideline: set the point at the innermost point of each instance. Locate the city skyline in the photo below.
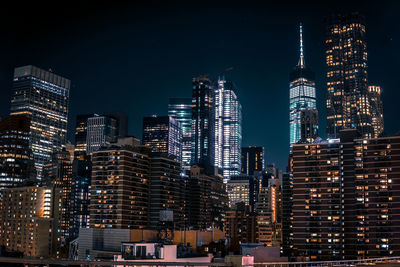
(261, 63)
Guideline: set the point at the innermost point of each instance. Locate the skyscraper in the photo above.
(308, 124)
(202, 121)
(181, 110)
(302, 94)
(227, 129)
(16, 161)
(347, 102)
(163, 135)
(81, 129)
(252, 159)
(376, 109)
(43, 97)
(101, 131)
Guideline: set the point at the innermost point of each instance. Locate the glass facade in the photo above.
(301, 94)
(181, 110)
(43, 97)
(101, 131)
(227, 130)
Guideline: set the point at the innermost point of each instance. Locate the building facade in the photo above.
(253, 159)
(120, 188)
(243, 188)
(227, 129)
(163, 134)
(302, 94)
(376, 109)
(181, 110)
(81, 131)
(345, 203)
(166, 191)
(43, 97)
(206, 199)
(101, 131)
(16, 159)
(308, 125)
(30, 220)
(202, 121)
(347, 103)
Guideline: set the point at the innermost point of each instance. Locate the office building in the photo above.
(344, 197)
(207, 199)
(347, 104)
(376, 109)
(166, 191)
(120, 188)
(30, 220)
(163, 134)
(181, 110)
(43, 97)
(302, 94)
(252, 159)
(16, 160)
(308, 125)
(101, 131)
(81, 130)
(202, 121)
(80, 195)
(227, 129)
(243, 188)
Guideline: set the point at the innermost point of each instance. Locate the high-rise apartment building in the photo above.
(120, 188)
(43, 97)
(345, 202)
(348, 103)
(207, 199)
(166, 190)
(376, 109)
(227, 129)
(163, 134)
(202, 121)
(16, 161)
(181, 110)
(302, 94)
(252, 159)
(30, 220)
(101, 131)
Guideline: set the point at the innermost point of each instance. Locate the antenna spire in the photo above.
(301, 60)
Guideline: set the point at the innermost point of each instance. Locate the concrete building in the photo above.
(120, 188)
(345, 198)
(207, 199)
(30, 220)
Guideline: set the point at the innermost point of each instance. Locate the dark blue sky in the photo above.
(133, 57)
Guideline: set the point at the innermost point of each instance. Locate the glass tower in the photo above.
(202, 102)
(181, 110)
(43, 97)
(227, 130)
(302, 94)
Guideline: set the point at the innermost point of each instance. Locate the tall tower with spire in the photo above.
(301, 97)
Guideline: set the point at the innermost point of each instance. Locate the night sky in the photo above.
(133, 57)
